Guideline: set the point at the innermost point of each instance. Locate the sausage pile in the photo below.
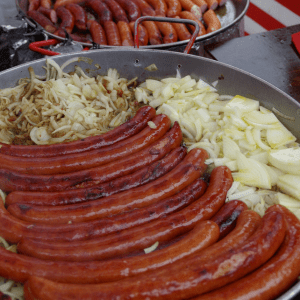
(82, 214)
(111, 22)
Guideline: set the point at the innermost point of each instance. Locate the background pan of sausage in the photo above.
(111, 22)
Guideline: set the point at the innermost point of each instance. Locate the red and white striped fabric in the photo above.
(265, 15)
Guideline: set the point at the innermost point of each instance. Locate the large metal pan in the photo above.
(231, 17)
(132, 62)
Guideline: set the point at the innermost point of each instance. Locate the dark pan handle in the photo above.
(170, 20)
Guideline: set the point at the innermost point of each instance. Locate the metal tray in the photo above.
(230, 15)
(133, 62)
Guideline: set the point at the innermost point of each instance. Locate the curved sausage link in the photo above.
(50, 14)
(66, 17)
(211, 20)
(174, 8)
(13, 229)
(202, 4)
(118, 12)
(142, 32)
(182, 175)
(86, 160)
(13, 181)
(33, 5)
(161, 230)
(132, 9)
(182, 31)
(125, 33)
(101, 9)
(46, 3)
(155, 37)
(42, 20)
(190, 6)
(182, 279)
(65, 2)
(20, 267)
(160, 7)
(112, 33)
(168, 31)
(190, 16)
(284, 266)
(145, 8)
(97, 32)
(79, 15)
(227, 216)
(97, 191)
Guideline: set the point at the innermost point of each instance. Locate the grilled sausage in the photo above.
(65, 2)
(174, 8)
(97, 32)
(182, 279)
(79, 15)
(78, 38)
(182, 31)
(125, 33)
(13, 181)
(46, 3)
(212, 4)
(138, 178)
(192, 167)
(86, 160)
(133, 239)
(13, 229)
(50, 14)
(273, 278)
(202, 4)
(101, 9)
(33, 5)
(160, 7)
(145, 8)
(211, 20)
(127, 129)
(191, 7)
(227, 216)
(168, 31)
(188, 15)
(142, 34)
(19, 267)
(154, 35)
(66, 17)
(42, 20)
(112, 33)
(132, 9)
(118, 12)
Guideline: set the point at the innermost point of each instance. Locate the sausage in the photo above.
(174, 8)
(284, 266)
(227, 216)
(112, 33)
(85, 160)
(65, 2)
(142, 34)
(78, 38)
(11, 181)
(202, 4)
(49, 13)
(127, 129)
(182, 31)
(97, 32)
(132, 9)
(145, 8)
(33, 5)
(168, 31)
(190, 16)
(19, 267)
(118, 12)
(182, 279)
(138, 178)
(124, 242)
(211, 20)
(79, 15)
(66, 17)
(125, 33)
(13, 229)
(46, 3)
(191, 7)
(42, 20)
(192, 167)
(154, 35)
(101, 9)
(160, 7)
(212, 4)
